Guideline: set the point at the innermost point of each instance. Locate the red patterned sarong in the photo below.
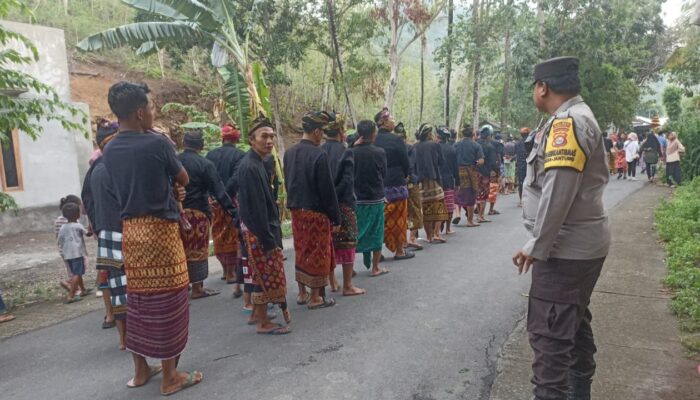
(265, 271)
(196, 243)
(224, 234)
(395, 225)
(493, 189)
(313, 247)
(482, 195)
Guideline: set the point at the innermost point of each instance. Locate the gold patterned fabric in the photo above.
(154, 257)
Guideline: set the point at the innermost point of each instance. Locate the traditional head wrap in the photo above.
(229, 132)
(382, 116)
(316, 120)
(257, 123)
(400, 130)
(524, 131)
(486, 131)
(193, 139)
(443, 132)
(336, 126)
(655, 122)
(498, 136)
(424, 131)
(105, 130)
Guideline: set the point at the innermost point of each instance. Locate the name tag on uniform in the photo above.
(562, 149)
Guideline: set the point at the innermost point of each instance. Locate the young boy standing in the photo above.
(71, 241)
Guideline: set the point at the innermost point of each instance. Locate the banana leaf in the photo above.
(189, 10)
(261, 86)
(237, 97)
(137, 34)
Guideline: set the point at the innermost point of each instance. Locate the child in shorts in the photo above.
(71, 243)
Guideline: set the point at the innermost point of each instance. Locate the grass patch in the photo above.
(286, 229)
(678, 223)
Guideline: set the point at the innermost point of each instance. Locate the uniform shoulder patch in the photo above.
(562, 149)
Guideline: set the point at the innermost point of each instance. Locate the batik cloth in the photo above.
(415, 207)
(494, 186)
(263, 273)
(433, 199)
(154, 258)
(196, 243)
(223, 232)
(482, 194)
(469, 176)
(345, 240)
(109, 250)
(116, 281)
(313, 247)
(157, 323)
(395, 224)
(450, 200)
(611, 162)
(510, 172)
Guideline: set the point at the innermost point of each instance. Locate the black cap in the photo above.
(556, 67)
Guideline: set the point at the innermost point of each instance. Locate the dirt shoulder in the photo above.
(640, 355)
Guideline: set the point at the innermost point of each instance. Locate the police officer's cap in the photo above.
(556, 67)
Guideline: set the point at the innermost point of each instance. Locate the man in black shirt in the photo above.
(449, 172)
(395, 185)
(260, 227)
(204, 182)
(370, 171)
(142, 166)
(312, 199)
(488, 183)
(223, 232)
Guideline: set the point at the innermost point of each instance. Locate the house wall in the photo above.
(53, 165)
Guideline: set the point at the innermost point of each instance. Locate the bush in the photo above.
(688, 129)
(678, 224)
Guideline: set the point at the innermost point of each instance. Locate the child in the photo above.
(71, 243)
(57, 224)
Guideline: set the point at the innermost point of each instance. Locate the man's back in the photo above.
(370, 170)
(398, 166)
(225, 159)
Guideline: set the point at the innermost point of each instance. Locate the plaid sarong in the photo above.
(109, 250)
(117, 291)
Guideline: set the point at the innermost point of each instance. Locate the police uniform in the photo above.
(563, 210)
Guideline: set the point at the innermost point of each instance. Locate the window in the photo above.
(10, 163)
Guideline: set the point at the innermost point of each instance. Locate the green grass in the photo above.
(286, 229)
(678, 224)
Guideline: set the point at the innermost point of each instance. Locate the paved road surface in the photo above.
(431, 329)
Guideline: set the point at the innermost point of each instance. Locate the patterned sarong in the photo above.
(510, 172)
(109, 250)
(158, 323)
(117, 292)
(345, 240)
(493, 189)
(482, 195)
(370, 230)
(313, 248)
(395, 225)
(450, 200)
(415, 207)
(433, 198)
(263, 274)
(154, 258)
(196, 243)
(224, 234)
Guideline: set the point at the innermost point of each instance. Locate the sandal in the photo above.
(108, 325)
(383, 271)
(304, 300)
(153, 372)
(207, 293)
(408, 255)
(190, 382)
(270, 316)
(279, 330)
(238, 294)
(327, 302)
(76, 298)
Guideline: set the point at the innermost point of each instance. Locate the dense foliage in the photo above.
(678, 224)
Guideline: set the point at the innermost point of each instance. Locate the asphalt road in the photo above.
(431, 329)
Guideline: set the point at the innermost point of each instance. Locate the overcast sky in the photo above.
(671, 10)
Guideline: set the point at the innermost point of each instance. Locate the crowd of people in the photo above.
(153, 212)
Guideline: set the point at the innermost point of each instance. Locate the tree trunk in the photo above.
(477, 69)
(505, 99)
(540, 24)
(274, 99)
(326, 91)
(394, 57)
(448, 62)
(463, 99)
(339, 58)
(423, 45)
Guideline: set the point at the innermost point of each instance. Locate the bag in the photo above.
(651, 156)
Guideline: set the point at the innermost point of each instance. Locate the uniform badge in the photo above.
(562, 147)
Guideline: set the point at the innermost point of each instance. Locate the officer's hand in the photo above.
(522, 261)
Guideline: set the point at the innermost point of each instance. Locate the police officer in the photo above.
(563, 211)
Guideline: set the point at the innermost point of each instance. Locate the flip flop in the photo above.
(108, 325)
(415, 247)
(329, 302)
(231, 282)
(237, 294)
(153, 372)
(73, 300)
(494, 212)
(304, 300)
(408, 255)
(484, 221)
(455, 221)
(383, 271)
(207, 293)
(269, 316)
(280, 330)
(438, 241)
(190, 382)
(247, 310)
(362, 291)
(472, 225)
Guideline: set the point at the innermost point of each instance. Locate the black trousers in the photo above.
(673, 171)
(632, 168)
(559, 325)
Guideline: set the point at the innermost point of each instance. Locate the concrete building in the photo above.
(37, 173)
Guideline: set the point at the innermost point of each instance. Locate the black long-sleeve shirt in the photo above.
(429, 160)
(342, 162)
(100, 199)
(204, 181)
(413, 177)
(307, 178)
(468, 152)
(335, 150)
(449, 171)
(397, 164)
(226, 159)
(257, 206)
(491, 155)
(370, 170)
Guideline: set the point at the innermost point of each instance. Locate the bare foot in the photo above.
(6, 318)
(184, 380)
(353, 291)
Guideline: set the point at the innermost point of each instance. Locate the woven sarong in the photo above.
(263, 274)
(196, 243)
(158, 324)
(370, 227)
(510, 172)
(154, 258)
(482, 195)
(415, 207)
(493, 189)
(395, 225)
(224, 234)
(450, 200)
(345, 240)
(116, 281)
(611, 162)
(109, 250)
(313, 248)
(433, 199)
(431, 190)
